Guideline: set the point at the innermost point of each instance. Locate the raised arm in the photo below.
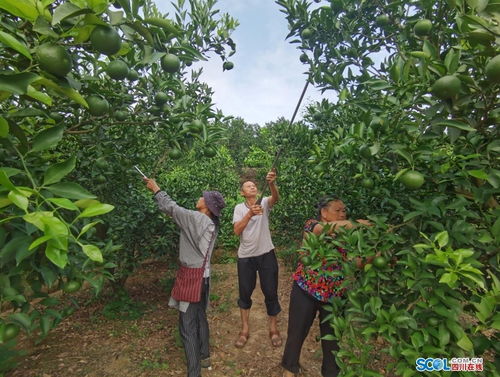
(275, 195)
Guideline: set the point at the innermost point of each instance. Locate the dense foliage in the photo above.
(88, 88)
(413, 139)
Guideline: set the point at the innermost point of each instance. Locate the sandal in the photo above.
(275, 338)
(242, 340)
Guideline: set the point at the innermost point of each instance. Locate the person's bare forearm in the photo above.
(275, 195)
(240, 226)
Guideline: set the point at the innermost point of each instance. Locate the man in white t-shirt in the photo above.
(256, 254)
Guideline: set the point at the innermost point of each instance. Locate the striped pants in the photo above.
(193, 328)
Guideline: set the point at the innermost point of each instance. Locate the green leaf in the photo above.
(494, 146)
(4, 127)
(42, 26)
(20, 8)
(67, 10)
(96, 210)
(449, 278)
(13, 43)
(36, 218)
(5, 181)
(39, 241)
(56, 172)
(87, 227)
(57, 256)
(465, 343)
(481, 174)
(68, 92)
(442, 238)
(19, 200)
(64, 203)
(17, 83)
(47, 138)
(93, 252)
(454, 124)
(40, 96)
(70, 190)
(495, 229)
(22, 319)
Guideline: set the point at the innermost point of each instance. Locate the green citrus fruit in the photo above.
(97, 105)
(196, 126)
(10, 331)
(56, 116)
(493, 69)
(161, 98)
(117, 69)
(72, 285)
(306, 33)
(379, 262)
(170, 63)
(446, 87)
(155, 110)
(105, 39)
(209, 152)
(383, 20)
(318, 117)
(306, 260)
(121, 115)
(377, 123)
(101, 179)
(304, 58)
(433, 321)
(481, 36)
(422, 28)
(54, 59)
(227, 66)
(101, 163)
(367, 183)
(133, 75)
(412, 179)
(174, 154)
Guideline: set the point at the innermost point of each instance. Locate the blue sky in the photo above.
(268, 77)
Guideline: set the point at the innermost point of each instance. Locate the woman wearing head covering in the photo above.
(198, 232)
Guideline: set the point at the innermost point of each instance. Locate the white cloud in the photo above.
(268, 78)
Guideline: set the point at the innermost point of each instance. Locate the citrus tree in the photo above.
(413, 139)
(88, 88)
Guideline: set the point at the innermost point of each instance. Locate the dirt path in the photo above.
(87, 344)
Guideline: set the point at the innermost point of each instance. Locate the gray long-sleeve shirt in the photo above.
(197, 237)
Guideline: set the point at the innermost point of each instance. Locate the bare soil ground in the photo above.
(87, 344)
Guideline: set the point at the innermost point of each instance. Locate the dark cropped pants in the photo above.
(193, 328)
(267, 267)
(303, 310)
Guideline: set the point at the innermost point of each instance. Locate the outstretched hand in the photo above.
(151, 185)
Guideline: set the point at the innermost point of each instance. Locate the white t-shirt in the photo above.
(255, 239)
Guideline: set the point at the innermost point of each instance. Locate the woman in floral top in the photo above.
(312, 289)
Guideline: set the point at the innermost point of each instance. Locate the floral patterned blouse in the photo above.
(318, 283)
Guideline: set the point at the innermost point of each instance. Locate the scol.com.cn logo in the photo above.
(449, 365)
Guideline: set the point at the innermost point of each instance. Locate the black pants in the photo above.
(193, 327)
(267, 266)
(303, 310)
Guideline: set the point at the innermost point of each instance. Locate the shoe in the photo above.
(242, 340)
(275, 338)
(205, 363)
